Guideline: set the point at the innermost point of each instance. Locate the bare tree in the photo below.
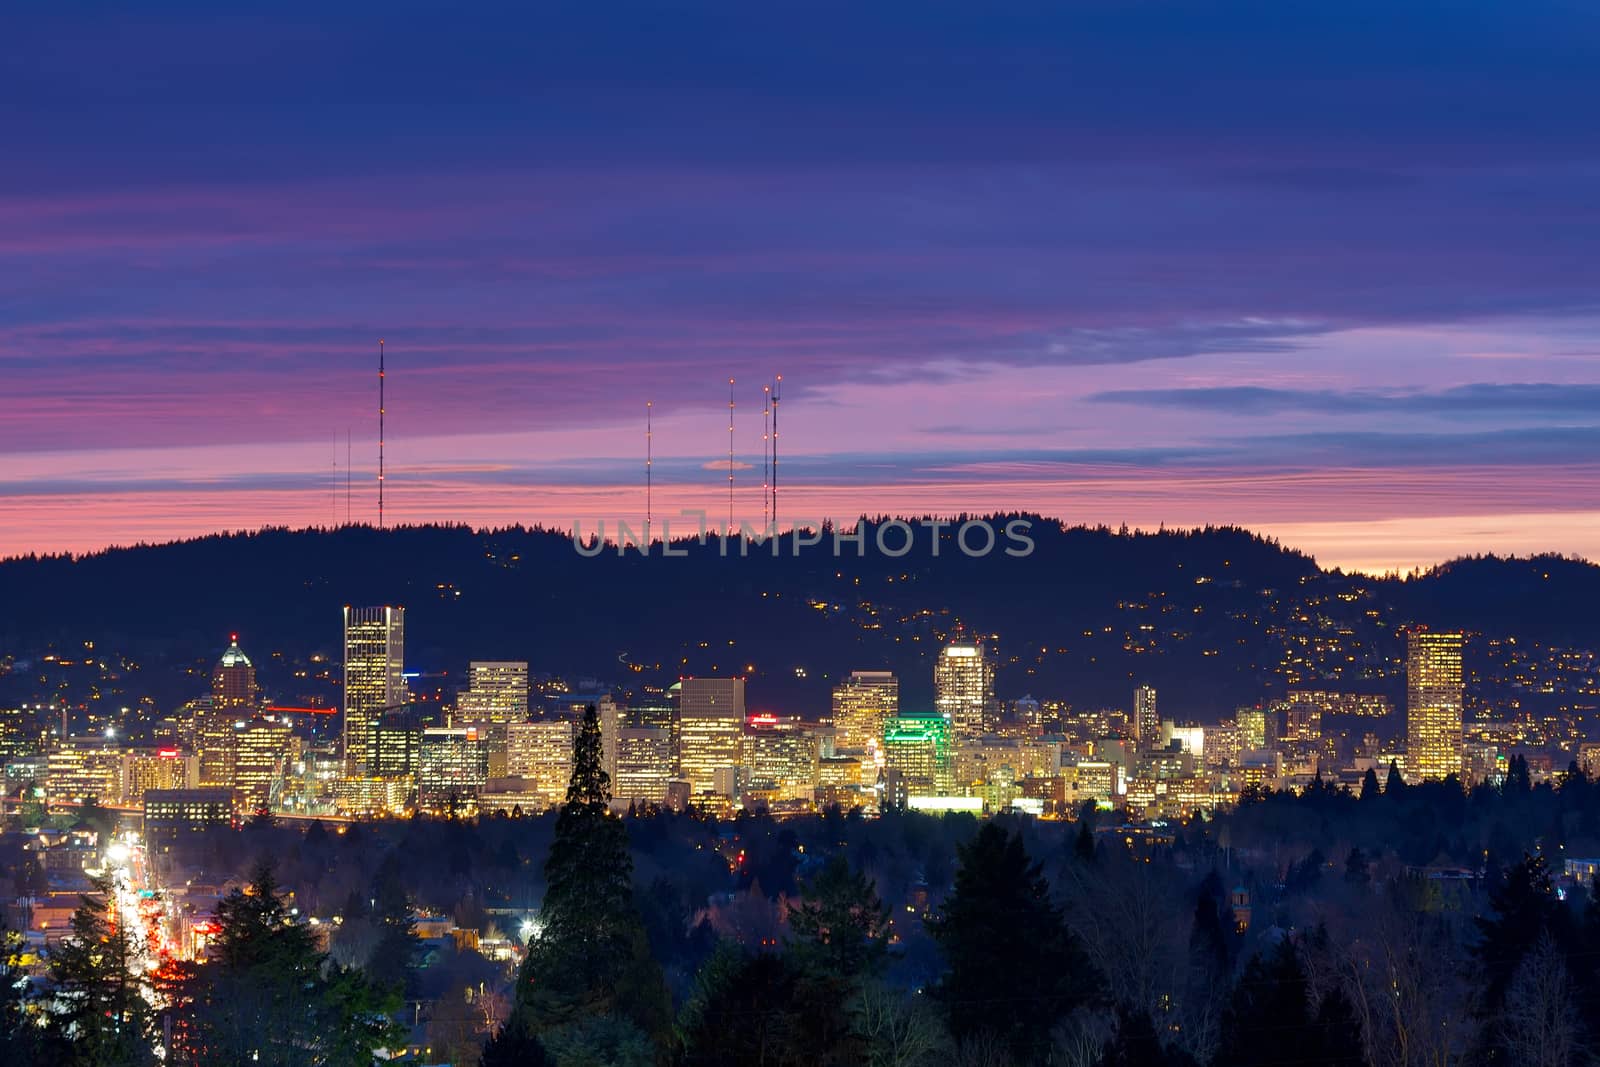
(1539, 1022)
(901, 1030)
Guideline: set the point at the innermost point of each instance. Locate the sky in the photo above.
(1328, 271)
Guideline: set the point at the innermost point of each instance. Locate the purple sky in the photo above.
(1327, 271)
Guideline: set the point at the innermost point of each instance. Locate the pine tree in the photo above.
(1369, 785)
(99, 1015)
(18, 1044)
(1014, 969)
(592, 957)
(1395, 784)
(269, 997)
(1268, 1023)
(840, 927)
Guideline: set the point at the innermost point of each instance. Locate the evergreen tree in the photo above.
(1395, 785)
(763, 1009)
(18, 1037)
(1136, 1044)
(393, 961)
(1268, 1023)
(1519, 782)
(840, 927)
(1369, 785)
(98, 1014)
(1083, 843)
(269, 997)
(1356, 868)
(1014, 969)
(592, 957)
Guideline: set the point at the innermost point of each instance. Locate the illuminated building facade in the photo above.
(215, 734)
(452, 766)
(233, 680)
(1146, 718)
(963, 682)
(541, 753)
(710, 725)
(779, 759)
(917, 752)
(497, 692)
(399, 737)
(1434, 702)
(174, 816)
(644, 764)
(84, 767)
(862, 705)
(374, 679)
(144, 769)
(262, 752)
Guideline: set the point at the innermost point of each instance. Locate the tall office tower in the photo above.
(452, 767)
(917, 751)
(710, 724)
(496, 691)
(862, 704)
(779, 758)
(215, 735)
(262, 752)
(644, 764)
(541, 752)
(1434, 698)
(963, 684)
(374, 679)
(1146, 719)
(399, 737)
(233, 680)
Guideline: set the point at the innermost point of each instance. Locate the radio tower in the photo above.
(380, 433)
(766, 456)
(648, 457)
(730, 457)
(777, 387)
(348, 491)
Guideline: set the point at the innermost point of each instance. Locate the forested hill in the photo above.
(1210, 616)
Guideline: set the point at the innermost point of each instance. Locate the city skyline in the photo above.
(1057, 262)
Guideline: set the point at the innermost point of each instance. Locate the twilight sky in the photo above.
(1331, 271)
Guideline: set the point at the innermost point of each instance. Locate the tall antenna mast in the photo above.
(730, 457)
(648, 458)
(335, 525)
(348, 491)
(380, 433)
(766, 456)
(777, 387)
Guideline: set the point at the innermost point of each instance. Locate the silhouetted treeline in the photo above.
(511, 594)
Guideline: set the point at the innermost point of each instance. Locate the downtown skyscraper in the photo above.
(374, 679)
(963, 682)
(1434, 699)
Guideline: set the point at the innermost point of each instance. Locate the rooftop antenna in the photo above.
(777, 387)
(380, 433)
(766, 456)
(648, 458)
(730, 457)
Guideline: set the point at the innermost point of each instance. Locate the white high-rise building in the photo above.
(963, 682)
(374, 679)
